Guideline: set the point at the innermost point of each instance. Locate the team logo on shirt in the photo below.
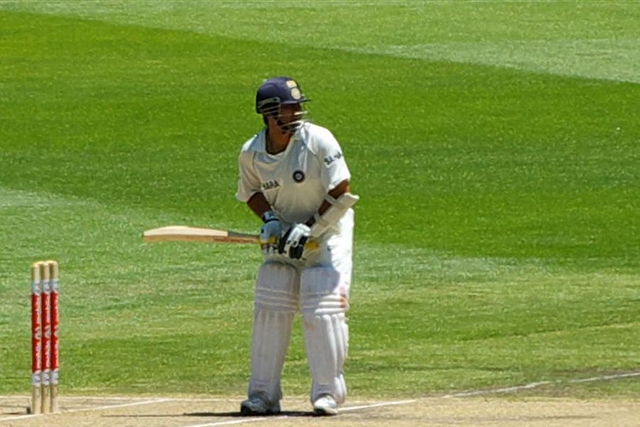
(298, 176)
(270, 185)
(332, 158)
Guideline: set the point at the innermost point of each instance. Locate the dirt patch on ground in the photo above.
(436, 411)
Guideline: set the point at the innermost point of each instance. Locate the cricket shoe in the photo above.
(259, 404)
(325, 405)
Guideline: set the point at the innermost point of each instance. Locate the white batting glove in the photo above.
(270, 233)
(293, 241)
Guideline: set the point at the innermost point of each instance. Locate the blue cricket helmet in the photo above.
(278, 91)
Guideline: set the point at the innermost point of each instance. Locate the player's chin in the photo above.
(292, 126)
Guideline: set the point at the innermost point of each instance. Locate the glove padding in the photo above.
(293, 241)
(270, 233)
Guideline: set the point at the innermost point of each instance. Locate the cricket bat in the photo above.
(182, 233)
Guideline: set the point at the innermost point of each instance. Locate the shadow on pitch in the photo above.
(287, 414)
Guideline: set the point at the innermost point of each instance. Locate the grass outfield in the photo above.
(494, 146)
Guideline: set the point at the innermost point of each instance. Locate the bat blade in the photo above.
(182, 233)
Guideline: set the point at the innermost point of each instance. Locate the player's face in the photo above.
(289, 113)
(290, 117)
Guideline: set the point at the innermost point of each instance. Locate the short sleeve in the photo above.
(248, 180)
(334, 168)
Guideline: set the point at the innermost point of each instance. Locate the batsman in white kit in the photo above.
(294, 177)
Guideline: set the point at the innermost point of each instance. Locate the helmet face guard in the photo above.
(277, 92)
(289, 122)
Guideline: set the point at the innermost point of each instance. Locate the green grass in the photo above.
(494, 146)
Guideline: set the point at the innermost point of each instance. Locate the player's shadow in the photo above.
(288, 414)
(285, 414)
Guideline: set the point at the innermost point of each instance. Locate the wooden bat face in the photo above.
(181, 233)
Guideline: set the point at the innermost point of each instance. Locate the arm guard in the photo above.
(332, 215)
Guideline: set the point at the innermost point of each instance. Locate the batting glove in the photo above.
(293, 241)
(270, 233)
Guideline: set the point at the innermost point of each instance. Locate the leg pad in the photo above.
(326, 331)
(276, 302)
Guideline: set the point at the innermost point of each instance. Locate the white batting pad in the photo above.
(276, 302)
(326, 331)
(277, 287)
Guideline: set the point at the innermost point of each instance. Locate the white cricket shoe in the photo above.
(259, 404)
(325, 405)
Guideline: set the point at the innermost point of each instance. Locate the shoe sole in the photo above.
(325, 411)
(245, 411)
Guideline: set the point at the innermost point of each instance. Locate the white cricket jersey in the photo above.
(295, 181)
